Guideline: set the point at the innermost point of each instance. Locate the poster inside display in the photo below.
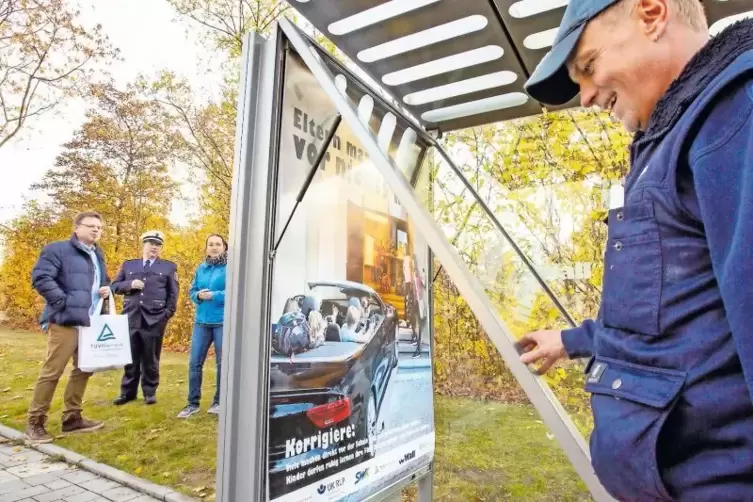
(350, 403)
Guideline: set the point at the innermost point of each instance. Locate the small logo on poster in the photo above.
(106, 334)
(360, 476)
(408, 457)
(322, 488)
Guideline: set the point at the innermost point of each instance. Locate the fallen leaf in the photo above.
(138, 470)
(122, 458)
(165, 474)
(199, 489)
(7, 389)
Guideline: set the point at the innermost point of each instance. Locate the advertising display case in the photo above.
(329, 390)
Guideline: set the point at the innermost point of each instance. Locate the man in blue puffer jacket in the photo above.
(72, 277)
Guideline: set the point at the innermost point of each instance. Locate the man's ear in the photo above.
(653, 15)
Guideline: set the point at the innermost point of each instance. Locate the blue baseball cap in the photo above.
(550, 83)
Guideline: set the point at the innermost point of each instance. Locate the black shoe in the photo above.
(150, 399)
(121, 400)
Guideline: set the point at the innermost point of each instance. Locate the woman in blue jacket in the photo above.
(208, 293)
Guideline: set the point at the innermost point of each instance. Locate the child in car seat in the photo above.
(349, 331)
(316, 329)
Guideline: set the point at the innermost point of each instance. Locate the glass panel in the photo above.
(350, 316)
(335, 233)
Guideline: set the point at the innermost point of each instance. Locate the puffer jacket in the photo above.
(63, 275)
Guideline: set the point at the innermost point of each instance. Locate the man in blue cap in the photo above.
(671, 350)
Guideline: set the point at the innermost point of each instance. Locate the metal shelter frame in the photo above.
(242, 452)
(454, 64)
(244, 387)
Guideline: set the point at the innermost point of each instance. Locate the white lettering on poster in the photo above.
(322, 440)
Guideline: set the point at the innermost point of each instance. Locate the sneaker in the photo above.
(215, 409)
(188, 411)
(36, 433)
(76, 423)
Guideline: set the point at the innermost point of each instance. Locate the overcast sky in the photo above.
(150, 38)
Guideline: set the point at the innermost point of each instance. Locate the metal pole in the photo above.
(426, 487)
(241, 444)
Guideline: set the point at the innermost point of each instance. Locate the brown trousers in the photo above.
(62, 345)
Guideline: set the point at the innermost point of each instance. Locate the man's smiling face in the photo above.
(618, 64)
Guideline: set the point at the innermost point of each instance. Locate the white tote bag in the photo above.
(105, 344)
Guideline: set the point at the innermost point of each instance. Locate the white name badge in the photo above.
(616, 196)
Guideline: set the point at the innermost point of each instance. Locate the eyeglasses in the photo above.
(96, 227)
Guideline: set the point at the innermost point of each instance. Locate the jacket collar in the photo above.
(80, 245)
(702, 68)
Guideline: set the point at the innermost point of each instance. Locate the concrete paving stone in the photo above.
(24, 493)
(10, 486)
(78, 476)
(30, 456)
(98, 485)
(121, 494)
(27, 500)
(145, 498)
(82, 497)
(34, 469)
(8, 449)
(5, 476)
(58, 484)
(61, 494)
(41, 479)
(10, 460)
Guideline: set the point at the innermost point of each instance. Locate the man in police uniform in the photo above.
(150, 286)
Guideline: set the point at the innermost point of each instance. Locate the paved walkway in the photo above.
(28, 475)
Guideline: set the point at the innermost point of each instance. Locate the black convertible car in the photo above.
(330, 396)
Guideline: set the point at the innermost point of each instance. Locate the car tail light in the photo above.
(331, 413)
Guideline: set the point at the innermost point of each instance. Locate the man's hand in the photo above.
(205, 294)
(104, 291)
(137, 284)
(546, 345)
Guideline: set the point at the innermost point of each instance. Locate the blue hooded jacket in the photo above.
(211, 277)
(671, 369)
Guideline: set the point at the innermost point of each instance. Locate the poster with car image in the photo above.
(350, 391)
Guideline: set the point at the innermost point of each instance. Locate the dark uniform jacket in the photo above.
(64, 276)
(671, 374)
(158, 300)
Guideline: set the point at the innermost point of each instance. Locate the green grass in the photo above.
(485, 451)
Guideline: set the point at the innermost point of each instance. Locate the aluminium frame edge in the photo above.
(241, 442)
(541, 396)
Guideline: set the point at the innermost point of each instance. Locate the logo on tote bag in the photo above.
(106, 334)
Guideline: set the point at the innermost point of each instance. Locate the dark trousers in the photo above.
(146, 348)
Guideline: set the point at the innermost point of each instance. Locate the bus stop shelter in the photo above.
(422, 67)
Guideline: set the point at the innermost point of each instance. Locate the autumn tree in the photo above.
(544, 178)
(206, 141)
(45, 56)
(228, 21)
(118, 164)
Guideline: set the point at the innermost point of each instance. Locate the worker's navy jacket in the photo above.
(671, 373)
(158, 300)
